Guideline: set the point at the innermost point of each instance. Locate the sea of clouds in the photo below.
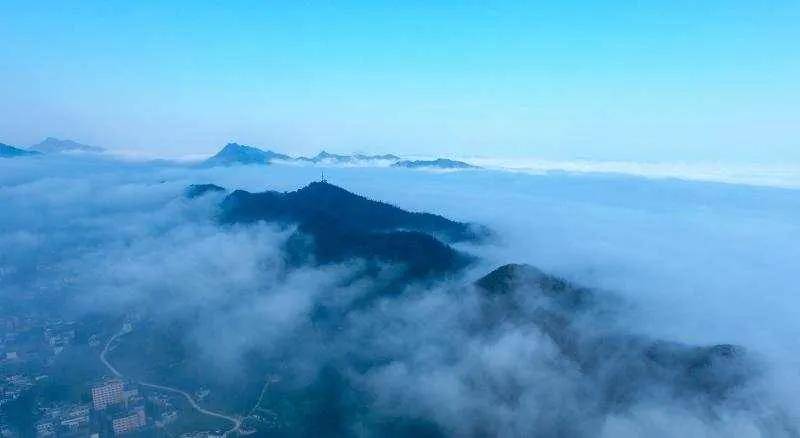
(687, 261)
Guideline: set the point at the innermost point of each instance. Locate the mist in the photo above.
(688, 262)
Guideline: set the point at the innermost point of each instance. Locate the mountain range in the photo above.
(616, 369)
(344, 226)
(238, 154)
(328, 158)
(234, 154)
(49, 145)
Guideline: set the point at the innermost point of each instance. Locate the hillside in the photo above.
(577, 320)
(234, 153)
(7, 151)
(344, 225)
(54, 145)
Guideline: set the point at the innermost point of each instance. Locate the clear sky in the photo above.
(628, 80)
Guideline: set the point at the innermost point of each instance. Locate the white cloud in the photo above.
(694, 262)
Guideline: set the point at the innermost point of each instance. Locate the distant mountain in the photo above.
(334, 158)
(328, 158)
(385, 157)
(344, 225)
(234, 153)
(440, 163)
(7, 151)
(53, 145)
(196, 190)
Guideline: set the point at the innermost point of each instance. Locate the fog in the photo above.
(691, 262)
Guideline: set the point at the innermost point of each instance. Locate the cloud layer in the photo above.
(687, 262)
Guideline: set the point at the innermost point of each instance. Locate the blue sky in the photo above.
(648, 81)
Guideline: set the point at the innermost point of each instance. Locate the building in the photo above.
(60, 335)
(108, 393)
(75, 417)
(19, 380)
(45, 428)
(129, 421)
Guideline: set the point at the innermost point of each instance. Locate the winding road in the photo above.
(237, 422)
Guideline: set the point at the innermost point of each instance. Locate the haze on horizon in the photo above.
(678, 81)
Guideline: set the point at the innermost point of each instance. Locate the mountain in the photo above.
(53, 145)
(385, 157)
(7, 151)
(516, 333)
(439, 163)
(354, 211)
(333, 158)
(577, 320)
(507, 279)
(197, 190)
(328, 158)
(234, 153)
(344, 225)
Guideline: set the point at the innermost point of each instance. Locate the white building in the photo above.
(110, 392)
(75, 417)
(131, 420)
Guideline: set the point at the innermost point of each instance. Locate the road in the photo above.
(260, 397)
(237, 423)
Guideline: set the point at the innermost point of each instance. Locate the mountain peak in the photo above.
(323, 186)
(197, 190)
(235, 153)
(327, 156)
(346, 225)
(234, 146)
(55, 145)
(507, 279)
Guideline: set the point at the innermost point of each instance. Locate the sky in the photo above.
(687, 81)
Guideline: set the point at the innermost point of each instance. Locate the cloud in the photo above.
(770, 175)
(687, 262)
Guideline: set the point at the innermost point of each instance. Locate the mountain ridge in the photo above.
(235, 153)
(8, 151)
(54, 145)
(344, 225)
(573, 317)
